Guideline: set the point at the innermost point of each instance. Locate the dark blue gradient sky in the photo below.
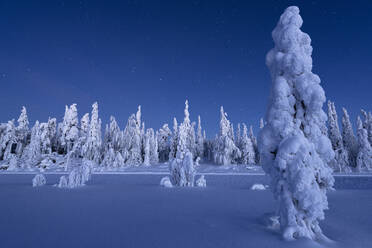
(158, 53)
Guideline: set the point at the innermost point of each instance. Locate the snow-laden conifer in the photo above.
(22, 131)
(294, 148)
(70, 128)
(364, 157)
(225, 151)
(185, 135)
(201, 182)
(84, 125)
(153, 144)
(254, 143)
(38, 180)
(164, 135)
(146, 160)
(341, 160)
(174, 140)
(349, 139)
(8, 141)
(199, 141)
(32, 153)
(238, 135)
(182, 170)
(248, 155)
(91, 150)
(132, 141)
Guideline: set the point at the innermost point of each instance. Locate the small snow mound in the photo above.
(38, 180)
(258, 186)
(274, 223)
(201, 182)
(165, 182)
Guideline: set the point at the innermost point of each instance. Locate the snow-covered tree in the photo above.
(185, 136)
(164, 142)
(45, 139)
(70, 129)
(78, 177)
(52, 133)
(22, 131)
(199, 141)
(174, 141)
(201, 182)
(151, 155)
(189, 128)
(209, 149)
(341, 160)
(146, 159)
(91, 150)
(182, 170)
(348, 138)
(113, 135)
(8, 141)
(294, 149)
(226, 151)
(153, 143)
(32, 153)
(253, 138)
(248, 155)
(238, 136)
(369, 128)
(84, 125)
(364, 157)
(132, 141)
(367, 124)
(112, 159)
(182, 147)
(38, 180)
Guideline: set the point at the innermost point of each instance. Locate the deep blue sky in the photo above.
(158, 53)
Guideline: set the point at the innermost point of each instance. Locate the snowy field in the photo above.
(132, 210)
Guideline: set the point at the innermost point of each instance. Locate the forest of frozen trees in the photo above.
(73, 139)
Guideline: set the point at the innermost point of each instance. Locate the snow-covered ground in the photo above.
(135, 211)
(161, 168)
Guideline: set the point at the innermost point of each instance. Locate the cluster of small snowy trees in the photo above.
(74, 140)
(231, 149)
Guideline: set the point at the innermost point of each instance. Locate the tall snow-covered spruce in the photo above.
(341, 161)
(348, 138)
(226, 152)
(294, 148)
(133, 140)
(364, 157)
(92, 148)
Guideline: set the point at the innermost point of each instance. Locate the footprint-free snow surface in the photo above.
(135, 211)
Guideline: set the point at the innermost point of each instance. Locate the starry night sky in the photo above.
(158, 53)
